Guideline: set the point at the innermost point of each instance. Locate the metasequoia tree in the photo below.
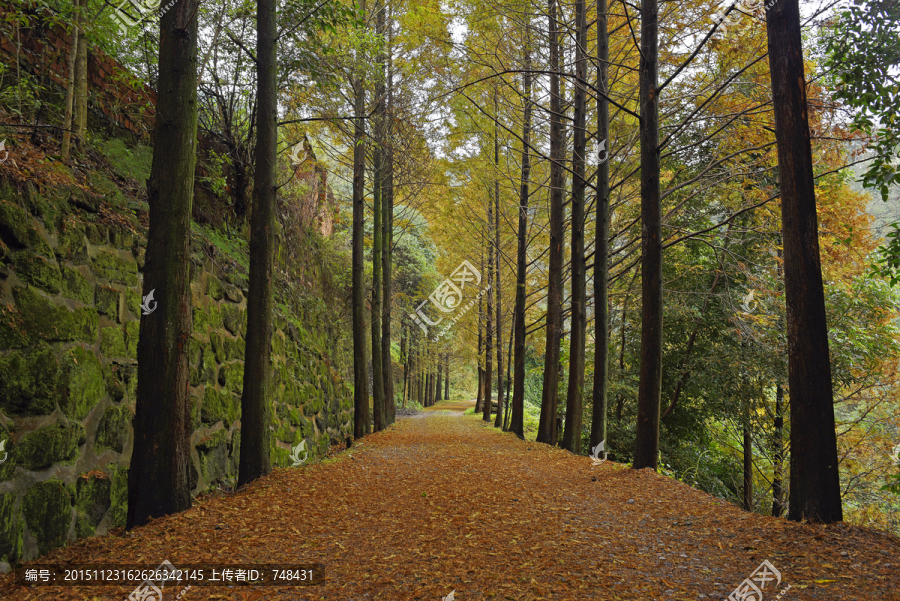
(815, 492)
(159, 474)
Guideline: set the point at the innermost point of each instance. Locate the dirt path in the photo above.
(446, 503)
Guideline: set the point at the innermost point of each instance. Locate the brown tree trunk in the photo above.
(575, 392)
(646, 446)
(815, 492)
(387, 216)
(778, 454)
(447, 377)
(748, 459)
(70, 83)
(489, 326)
(438, 388)
(159, 474)
(601, 241)
(498, 421)
(255, 436)
(81, 82)
(361, 425)
(547, 432)
(517, 420)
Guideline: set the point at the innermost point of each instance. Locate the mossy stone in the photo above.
(132, 334)
(75, 286)
(112, 342)
(235, 319)
(94, 234)
(233, 294)
(213, 453)
(92, 500)
(207, 320)
(196, 403)
(133, 301)
(114, 429)
(236, 348)
(45, 320)
(118, 495)
(277, 344)
(47, 508)
(14, 225)
(46, 446)
(208, 369)
(217, 342)
(231, 376)
(111, 266)
(71, 244)
(38, 271)
(219, 405)
(114, 386)
(12, 528)
(214, 288)
(8, 467)
(82, 382)
(106, 299)
(28, 385)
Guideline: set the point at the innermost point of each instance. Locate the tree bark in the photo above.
(646, 448)
(547, 432)
(438, 388)
(255, 437)
(159, 474)
(578, 319)
(815, 492)
(81, 82)
(387, 238)
(601, 241)
(778, 454)
(447, 377)
(489, 325)
(70, 83)
(360, 361)
(498, 421)
(748, 459)
(517, 423)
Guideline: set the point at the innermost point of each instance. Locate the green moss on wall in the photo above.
(92, 499)
(28, 385)
(75, 286)
(82, 381)
(114, 429)
(44, 320)
(113, 267)
(53, 443)
(12, 528)
(47, 508)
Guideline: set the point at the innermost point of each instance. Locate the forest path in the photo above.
(445, 503)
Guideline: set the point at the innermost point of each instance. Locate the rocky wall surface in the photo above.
(70, 310)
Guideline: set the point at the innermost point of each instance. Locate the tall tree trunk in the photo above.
(646, 445)
(360, 361)
(438, 388)
(255, 437)
(547, 432)
(387, 238)
(601, 240)
(480, 398)
(498, 421)
(517, 420)
(159, 475)
(489, 326)
(447, 376)
(778, 454)
(575, 392)
(815, 492)
(509, 358)
(70, 82)
(377, 265)
(404, 356)
(748, 459)
(81, 81)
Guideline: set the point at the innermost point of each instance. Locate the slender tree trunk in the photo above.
(360, 361)
(480, 399)
(387, 216)
(498, 421)
(517, 424)
(815, 492)
(489, 327)
(748, 459)
(601, 240)
(447, 377)
(255, 437)
(70, 83)
(646, 446)
(509, 358)
(778, 454)
(159, 474)
(81, 82)
(438, 389)
(575, 393)
(377, 265)
(547, 432)
(404, 356)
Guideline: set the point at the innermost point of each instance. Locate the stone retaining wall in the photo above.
(69, 320)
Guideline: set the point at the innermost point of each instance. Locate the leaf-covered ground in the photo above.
(442, 502)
